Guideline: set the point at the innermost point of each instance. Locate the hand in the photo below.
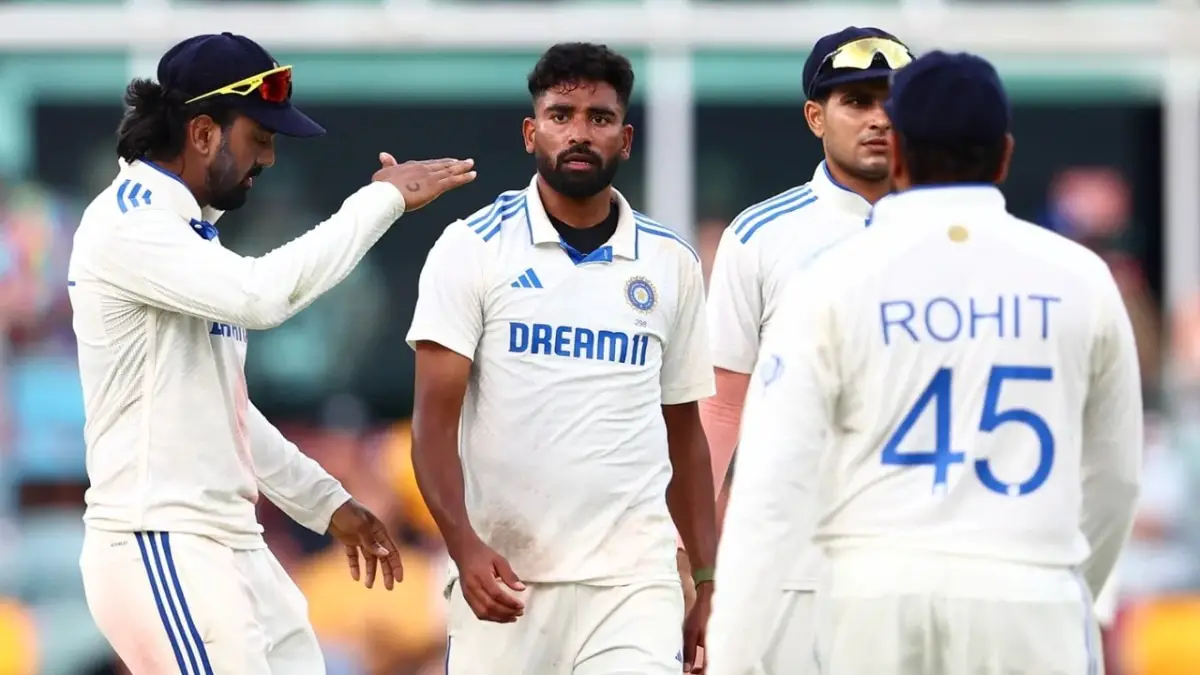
(483, 573)
(695, 627)
(362, 533)
(424, 181)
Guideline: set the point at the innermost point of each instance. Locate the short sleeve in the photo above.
(450, 294)
(687, 371)
(735, 305)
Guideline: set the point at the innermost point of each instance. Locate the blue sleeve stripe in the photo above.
(478, 222)
(648, 226)
(783, 209)
(749, 215)
(497, 221)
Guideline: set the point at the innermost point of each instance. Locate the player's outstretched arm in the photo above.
(1113, 439)
(151, 256)
(303, 490)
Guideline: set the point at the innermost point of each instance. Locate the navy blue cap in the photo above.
(205, 63)
(818, 81)
(947, 99)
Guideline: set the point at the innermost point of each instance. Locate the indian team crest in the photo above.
(641, 294)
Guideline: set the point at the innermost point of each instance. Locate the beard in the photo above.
(575, 184)
(225, 182)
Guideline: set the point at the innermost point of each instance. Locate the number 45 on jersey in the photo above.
(939, 395)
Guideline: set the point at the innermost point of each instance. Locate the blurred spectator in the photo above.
(1093, 206)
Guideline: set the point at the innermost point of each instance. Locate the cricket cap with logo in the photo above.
(852, 54)
(243, 75)
(949, 99)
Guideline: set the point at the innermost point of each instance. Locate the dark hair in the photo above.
(572, 63)
(155, 120)
(932, 163)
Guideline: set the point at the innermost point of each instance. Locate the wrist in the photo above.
(703, 576)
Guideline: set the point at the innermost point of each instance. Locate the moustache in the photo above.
(580, 154)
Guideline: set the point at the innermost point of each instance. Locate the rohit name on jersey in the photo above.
(577, 342)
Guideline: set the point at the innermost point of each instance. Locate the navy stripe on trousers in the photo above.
(190, 654)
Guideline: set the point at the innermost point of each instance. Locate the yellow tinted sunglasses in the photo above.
(861, 53)
(272, 86)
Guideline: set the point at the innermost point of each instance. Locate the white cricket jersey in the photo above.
(563, 443)
(977, 378)
(758, 254)
(162, 313)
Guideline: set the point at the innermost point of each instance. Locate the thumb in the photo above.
(386, 159)
(506, 574)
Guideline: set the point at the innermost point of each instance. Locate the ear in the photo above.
(204, 134)
(1009, 144)
(814, 115)
(626, 141)
(528, 131)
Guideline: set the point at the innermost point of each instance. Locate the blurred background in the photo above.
(1107, 121)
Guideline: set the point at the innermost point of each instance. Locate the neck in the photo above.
(577, 213)
(870, 190)
(178, 168)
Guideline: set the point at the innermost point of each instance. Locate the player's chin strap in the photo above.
(207, 213)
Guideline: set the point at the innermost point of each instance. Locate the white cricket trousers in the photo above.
(573, 629)
(889, 613)
(181, 603)
(793, 648)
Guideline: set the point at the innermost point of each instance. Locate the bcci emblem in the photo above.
(640, 294)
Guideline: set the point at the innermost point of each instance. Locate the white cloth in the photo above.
(181, 603)
(162, 314)
(563, 443)
(965, 383)
(574, 629)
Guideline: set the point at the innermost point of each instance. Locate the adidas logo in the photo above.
(528, 279)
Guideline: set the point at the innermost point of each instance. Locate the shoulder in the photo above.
(789, 205)
(1058, 251)
(654, 234)
(493, 219)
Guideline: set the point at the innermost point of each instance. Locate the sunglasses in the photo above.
(861, 53)
(273, 86)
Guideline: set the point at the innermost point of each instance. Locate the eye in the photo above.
(600, 120)
(558, 117)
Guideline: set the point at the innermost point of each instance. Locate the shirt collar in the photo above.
(541, 231)
(945, 199)
(832, 192)
(153, 182)
(168, 190)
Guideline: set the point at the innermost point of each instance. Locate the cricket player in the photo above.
(561, 351)
(967, 388)
(845, 81)
(174, 566)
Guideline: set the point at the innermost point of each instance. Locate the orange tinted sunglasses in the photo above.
(272, 86)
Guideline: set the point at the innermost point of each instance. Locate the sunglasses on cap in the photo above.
(860, 54)
(272, 86)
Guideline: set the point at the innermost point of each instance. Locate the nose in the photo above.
(878, 118)
(266, 158)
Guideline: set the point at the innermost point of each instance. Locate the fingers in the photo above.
(490, 601)
(386, 159)
(507, 575)
(389, 555)
(352, 560)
